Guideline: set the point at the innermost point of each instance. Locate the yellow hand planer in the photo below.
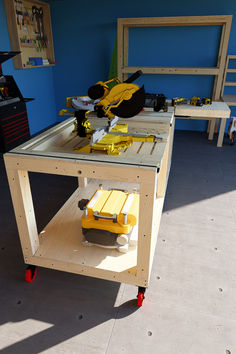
(110, 217)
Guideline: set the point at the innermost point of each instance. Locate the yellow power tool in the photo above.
(111, 99)
(123, 100)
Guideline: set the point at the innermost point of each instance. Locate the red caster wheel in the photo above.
(140, 296)
(30, 273)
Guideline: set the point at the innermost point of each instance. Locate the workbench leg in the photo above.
(23, 207)
(212, 129)
(221, 132)
(82, 181)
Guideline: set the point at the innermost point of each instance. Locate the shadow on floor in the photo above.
(67, 304)
(71, 304)
(199, 169)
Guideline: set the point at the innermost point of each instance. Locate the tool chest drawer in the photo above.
(14, 127)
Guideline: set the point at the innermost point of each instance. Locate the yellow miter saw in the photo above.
(113, 100)
(123, 100)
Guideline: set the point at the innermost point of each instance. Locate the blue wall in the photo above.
(84, 35)
(85, 31)
(36, 83)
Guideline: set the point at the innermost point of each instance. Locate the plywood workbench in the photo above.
(58, 246)
(217, 110)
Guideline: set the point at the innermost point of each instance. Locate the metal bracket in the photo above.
(97, 216)
(103, 131)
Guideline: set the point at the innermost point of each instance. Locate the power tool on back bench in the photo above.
(156, 101)
(197, 101)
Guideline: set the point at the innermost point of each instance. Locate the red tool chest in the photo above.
(14, 126)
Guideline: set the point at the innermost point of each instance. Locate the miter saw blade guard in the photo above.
(129, 108)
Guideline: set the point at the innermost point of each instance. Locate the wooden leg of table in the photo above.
(212, 129)
(82, 181)
(24, 209)
(217, 122)
(221, 132)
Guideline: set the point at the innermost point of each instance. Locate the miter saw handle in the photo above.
(134, 77)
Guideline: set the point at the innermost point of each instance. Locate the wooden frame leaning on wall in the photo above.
(124, 24)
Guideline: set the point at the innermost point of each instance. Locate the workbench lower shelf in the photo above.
(61, 247)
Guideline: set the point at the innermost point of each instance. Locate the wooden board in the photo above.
(215, 110)
(62, 238)
(171, 70)
(230, 99)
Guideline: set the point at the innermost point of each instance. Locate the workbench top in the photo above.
(215, 110)
(60, 141)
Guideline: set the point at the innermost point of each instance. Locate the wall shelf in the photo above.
(172, 70)
(231, 71)
(230, 99)
(230, 83)
(37, 66)
(30, 31)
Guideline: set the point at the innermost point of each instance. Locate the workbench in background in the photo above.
(217, 110)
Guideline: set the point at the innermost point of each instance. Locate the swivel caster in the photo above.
(140, 296)
(30, 273)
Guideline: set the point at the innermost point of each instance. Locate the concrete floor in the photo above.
(190, 306)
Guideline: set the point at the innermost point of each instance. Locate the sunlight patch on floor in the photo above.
(14, 332)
